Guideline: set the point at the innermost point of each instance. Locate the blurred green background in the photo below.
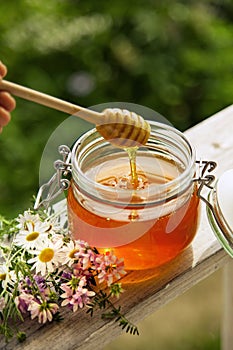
(175, 57)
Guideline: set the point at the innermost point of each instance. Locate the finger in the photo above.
(3, 70)
(7, 101)
(5, 117)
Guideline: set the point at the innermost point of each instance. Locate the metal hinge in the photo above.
(58, 183)
(204, 178)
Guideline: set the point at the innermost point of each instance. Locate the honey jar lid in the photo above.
(220, 210)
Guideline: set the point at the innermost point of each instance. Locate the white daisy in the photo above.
(46, 258)
(67, 253)
(3, 272)
(27, 217)
(35, 235)
(58, 238)
(73, 251)
(7, 277)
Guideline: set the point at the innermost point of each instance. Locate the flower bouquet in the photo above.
(43, 270)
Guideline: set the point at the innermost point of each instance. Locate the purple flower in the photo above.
(28, 281)
(23, 301)
(66, 276)
(41, 283)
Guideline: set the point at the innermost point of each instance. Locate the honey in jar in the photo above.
(148, 219)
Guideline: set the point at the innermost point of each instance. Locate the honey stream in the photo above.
(132, 152)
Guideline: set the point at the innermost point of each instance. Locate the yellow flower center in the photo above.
(2, 276)
(32, 236)
(46, 255)
(72, 254)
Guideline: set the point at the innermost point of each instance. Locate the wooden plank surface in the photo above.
(227, 317)
(213, 140)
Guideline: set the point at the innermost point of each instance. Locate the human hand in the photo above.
(7, 102)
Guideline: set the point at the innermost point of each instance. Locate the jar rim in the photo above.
(183, 179)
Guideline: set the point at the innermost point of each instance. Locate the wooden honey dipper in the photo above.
(119, 126)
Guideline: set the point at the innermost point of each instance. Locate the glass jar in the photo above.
(147, 226)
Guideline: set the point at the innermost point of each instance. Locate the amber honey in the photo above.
(148, 219)
(154, 248)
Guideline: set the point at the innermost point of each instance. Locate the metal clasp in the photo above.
(217, 221)
(204, 178)
(58, 183)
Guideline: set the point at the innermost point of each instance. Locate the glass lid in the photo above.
(220, 210)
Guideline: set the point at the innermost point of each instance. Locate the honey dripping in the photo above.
(129, 181)
(132, 152)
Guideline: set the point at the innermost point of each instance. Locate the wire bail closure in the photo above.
(220, 227)
(59, 182)
(204, 178)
